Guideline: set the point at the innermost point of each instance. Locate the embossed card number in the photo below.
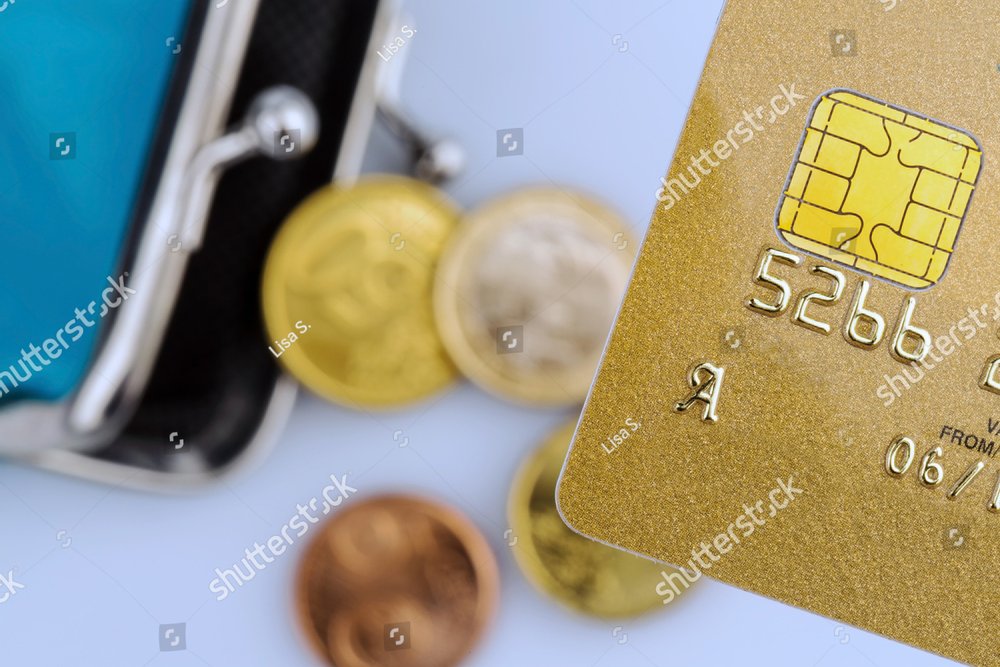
(862, 328)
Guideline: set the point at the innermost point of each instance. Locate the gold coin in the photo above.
(347, 292)
(527, 291)
(579, 572)
(396, 581)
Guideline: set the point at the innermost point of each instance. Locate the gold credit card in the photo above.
(801, 396)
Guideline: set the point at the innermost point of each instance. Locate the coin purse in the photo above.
(143, 179)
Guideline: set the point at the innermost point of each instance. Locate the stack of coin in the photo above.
(392, 293)
(382, 294)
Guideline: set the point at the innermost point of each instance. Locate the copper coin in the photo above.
(396, 581)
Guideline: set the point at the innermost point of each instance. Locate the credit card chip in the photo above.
(879, 189)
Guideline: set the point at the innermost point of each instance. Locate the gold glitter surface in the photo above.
(884, 553)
